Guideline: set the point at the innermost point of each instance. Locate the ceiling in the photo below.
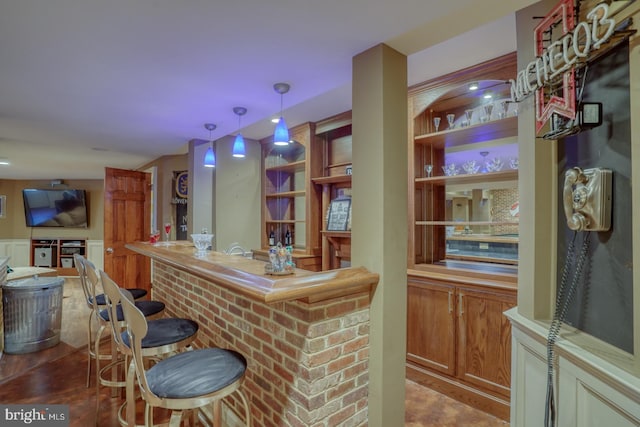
(86, 84)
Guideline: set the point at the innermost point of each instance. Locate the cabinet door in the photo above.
(484, 339)
(431, 325)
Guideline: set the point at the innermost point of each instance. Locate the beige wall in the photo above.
(166, 165)
(13, 225)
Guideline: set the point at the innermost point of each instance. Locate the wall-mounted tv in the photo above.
(55, 208)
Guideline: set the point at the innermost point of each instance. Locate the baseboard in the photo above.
(460, 391)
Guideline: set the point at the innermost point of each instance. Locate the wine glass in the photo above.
(487, 112)
(451, 120)
(428, 169)
(468, 114)
(167, 231)
(436, 122)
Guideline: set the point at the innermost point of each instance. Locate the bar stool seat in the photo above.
(195, 373)
(163, 332)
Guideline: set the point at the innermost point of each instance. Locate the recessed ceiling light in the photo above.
(473, 86)
(4, 161)
(275, 120)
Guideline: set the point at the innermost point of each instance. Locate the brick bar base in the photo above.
(308, 363)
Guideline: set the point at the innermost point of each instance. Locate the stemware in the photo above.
(487, 112)
(494, 165)
(436, 122)
(502, 109)
(428, 169)
(513, 163)
(450, 170)
(470, 167)
(167, 231)
(451, 120)
(468, 114)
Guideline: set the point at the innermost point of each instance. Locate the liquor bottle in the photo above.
(287, 238)
(272, 238)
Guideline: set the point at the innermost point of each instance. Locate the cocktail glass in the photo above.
(436, 122)
(428, 169)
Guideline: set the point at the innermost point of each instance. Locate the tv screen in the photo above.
(55, 208)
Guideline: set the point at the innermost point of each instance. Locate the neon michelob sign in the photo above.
(555, 60)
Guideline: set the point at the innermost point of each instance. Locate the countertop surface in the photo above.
(248, 276)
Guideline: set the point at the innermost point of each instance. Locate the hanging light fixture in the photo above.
(238, 144)
(209, 156)
(281, 134)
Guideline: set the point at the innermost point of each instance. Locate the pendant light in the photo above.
(281, 134)
(209, 156)
(238, 144)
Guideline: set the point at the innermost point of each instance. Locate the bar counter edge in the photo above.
(247, 276)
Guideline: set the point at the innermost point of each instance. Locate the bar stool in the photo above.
(95, 305)
(151, 310)
(164, 336)
(185, 381)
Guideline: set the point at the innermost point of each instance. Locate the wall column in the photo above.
(379, 224)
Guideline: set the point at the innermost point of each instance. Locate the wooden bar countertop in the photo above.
(247, 275)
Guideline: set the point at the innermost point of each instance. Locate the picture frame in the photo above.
(339, 212)
(3, 206)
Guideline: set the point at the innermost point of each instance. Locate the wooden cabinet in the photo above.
(290, 202)
(333, 135)
(459, 341)
(57, 253)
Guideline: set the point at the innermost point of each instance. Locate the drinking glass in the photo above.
(451, 120)
(502, 109)
(428, 169)
(436, 122)
(167, 231)
(487, 112)
(468, 114)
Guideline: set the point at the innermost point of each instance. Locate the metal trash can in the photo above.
(32, 314)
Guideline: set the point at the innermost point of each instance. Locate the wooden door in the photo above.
(484, 338)
(431, 325)
(127, 219)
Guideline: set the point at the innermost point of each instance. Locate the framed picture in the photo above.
(3, 206)
(338, 218)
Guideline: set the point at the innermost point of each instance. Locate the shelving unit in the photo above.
(290, 202)
(334, 136)
(57, 253)
(463, 235)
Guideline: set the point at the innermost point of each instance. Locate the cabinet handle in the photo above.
(109, 250)
(450, 301)
(460, 306)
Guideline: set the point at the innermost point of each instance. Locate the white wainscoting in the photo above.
(17, 250)
(95, 252)
(590, 391)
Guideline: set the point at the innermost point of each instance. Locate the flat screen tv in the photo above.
(55, 208)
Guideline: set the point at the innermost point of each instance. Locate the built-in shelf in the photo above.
(504, 175)
(334, 179)
(488, 131)
(285, 194)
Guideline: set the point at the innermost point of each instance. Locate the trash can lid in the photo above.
(35, 282)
